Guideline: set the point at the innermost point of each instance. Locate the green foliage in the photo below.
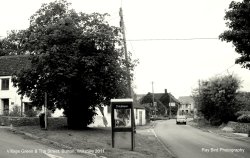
(30, 113)
(161, 109)
(6, 113)
(238, 22)
(245, 118)
(148, 113)
(16, 111)
(244, 100)
(76, 58)
(239, 113)
(174, 110)
(216, 99)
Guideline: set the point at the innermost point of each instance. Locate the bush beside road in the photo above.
(222, 130)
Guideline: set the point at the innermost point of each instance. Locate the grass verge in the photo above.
(99, 139)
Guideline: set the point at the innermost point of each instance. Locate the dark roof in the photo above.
(138, 106)
(186, 99)
(10, 65)
(161, 97)
(139, 96)
(173, 98)
(158, 95)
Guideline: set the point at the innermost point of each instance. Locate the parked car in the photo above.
(181, 119)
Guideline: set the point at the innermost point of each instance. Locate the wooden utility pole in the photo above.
(153, 97)
(21, 106)
(170, 106)
(198, 106)
(125, 52)
(130, 95)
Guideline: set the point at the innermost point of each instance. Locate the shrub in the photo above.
(244, 118)
(239, 113)
(215, 122)
(30, 113)
(6, 113)
(16, 111)
(49, 112)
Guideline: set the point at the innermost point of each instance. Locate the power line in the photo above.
(173, 39)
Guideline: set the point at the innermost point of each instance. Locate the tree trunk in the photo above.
(79, 115)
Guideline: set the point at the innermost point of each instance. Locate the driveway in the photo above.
(188, 142)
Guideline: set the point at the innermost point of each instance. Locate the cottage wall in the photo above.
(11, 94)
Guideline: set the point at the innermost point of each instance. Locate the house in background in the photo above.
(162, 102)
(9, 98)
(187, 106)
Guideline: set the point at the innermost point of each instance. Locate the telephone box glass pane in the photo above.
(122, 117)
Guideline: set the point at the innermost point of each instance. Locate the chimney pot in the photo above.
(166, 91)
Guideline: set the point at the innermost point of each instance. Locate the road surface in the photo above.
(20, 146)
(188, 142)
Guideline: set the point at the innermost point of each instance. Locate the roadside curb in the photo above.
(163, 145)
(52, 142)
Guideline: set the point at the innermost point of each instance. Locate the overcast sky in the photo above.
(175, 65)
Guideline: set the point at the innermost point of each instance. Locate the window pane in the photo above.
(122, 117)
(5, 84)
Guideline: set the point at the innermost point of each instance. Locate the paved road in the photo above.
(18, 146)
(188, 142)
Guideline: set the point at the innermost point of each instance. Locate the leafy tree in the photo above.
(216, 99)
(238, 22)
(76, 58)
(244, 100)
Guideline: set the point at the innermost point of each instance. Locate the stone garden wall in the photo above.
(31, 121)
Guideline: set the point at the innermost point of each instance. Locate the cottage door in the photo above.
(5, 106)
(140, 118)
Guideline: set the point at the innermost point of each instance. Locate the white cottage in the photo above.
(8, 93)
(9, 98)
(187, 105)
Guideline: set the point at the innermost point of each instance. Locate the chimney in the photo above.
(166, 91)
